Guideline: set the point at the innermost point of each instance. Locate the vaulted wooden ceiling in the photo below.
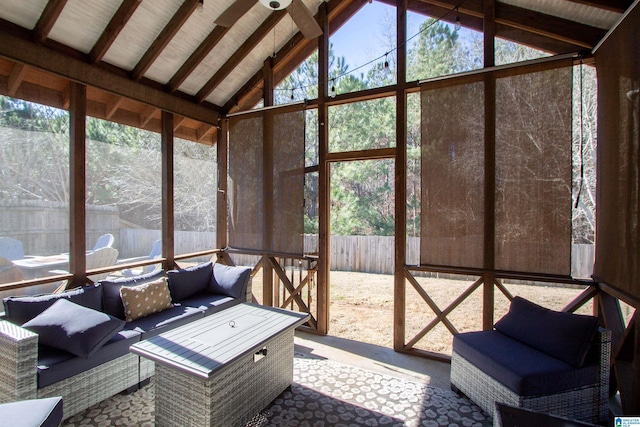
(139, 57)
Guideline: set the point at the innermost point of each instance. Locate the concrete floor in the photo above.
(375, 358)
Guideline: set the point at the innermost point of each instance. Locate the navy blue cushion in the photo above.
(74, 328)
(22, 309)
(32, 413)
(56, 365)
(523, 369)
(190, 281)
(111, 300)
(565, 336)
(170, 318)
(210, 303)
(230, 280)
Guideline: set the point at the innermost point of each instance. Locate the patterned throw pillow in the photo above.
(142, 300)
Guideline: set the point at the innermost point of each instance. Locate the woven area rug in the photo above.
(324, 393)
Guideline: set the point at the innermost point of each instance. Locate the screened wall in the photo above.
(266, 156)
(618, 193)
(519, 149)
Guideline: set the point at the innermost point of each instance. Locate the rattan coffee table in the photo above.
(224, 369)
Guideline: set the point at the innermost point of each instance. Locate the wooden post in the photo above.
(168, 251)
(490, 167)
(400, 180)
(223, 169)
(267, 186)
(77, 184)
(324, 195)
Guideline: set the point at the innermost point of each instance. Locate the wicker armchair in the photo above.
(579, 390)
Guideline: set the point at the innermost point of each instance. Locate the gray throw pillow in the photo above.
(190, 281)
(71, 327)
(230, 281)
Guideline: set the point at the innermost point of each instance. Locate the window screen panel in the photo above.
(245, 195)
(618, 194)
(452, 163)
(533, 172)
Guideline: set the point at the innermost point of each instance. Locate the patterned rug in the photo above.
(324, 393)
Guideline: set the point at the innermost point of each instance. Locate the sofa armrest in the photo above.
(18, 363)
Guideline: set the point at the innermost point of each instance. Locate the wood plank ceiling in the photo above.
(139, 57)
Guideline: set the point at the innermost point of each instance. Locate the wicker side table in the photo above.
(223, 369)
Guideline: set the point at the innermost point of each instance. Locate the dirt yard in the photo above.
(362, 307)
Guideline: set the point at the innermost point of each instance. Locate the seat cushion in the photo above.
(32, 413)
(74, 328)
(565, 336)
(210, 303)
(187, 282)
(523, 369)
(20, 310)
(170, 318)
(56, 365)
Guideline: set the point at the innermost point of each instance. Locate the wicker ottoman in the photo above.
(223, 369)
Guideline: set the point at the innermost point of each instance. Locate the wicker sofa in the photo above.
(95, 362)
(538, 359)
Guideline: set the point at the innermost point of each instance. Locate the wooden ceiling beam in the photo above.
(167, 34)
(112, 106)
(265, 28)
(178, 121)
(16, 75)
(196, 58)
(147, 115)
(292, 55)
(110, 33)
(203, 131)
(538, 23)
(48, 19)
(19, 49)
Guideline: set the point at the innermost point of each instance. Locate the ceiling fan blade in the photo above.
(234, 12)
(304, 19)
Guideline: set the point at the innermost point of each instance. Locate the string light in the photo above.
(200, 5)
(292, 97)
(332, 93)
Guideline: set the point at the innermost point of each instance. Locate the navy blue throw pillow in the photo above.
(71, 327)
(230, 280)
(565, 336)
(187, 282)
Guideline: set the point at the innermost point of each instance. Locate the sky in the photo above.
(361, 39)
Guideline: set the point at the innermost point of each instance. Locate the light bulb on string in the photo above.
(292, 97)
(332, 94)
(386, 60)
(458, 25)
(200, 5)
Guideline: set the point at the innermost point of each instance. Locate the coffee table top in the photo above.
(204, 347)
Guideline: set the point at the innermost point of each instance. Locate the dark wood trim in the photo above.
(16, 76)
(400, 184)
(196, 58)
(19, 49)
(223, 167)
(324, 194)
(48, 19)
(163, 39)
(227, 68)
(373, 154)
(168, 251)
(77, 184)
(110, 33)
(488, 294)
(267, 77)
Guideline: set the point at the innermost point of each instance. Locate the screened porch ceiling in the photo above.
(139, 57)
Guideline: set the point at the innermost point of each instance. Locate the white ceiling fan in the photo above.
(296, 9)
